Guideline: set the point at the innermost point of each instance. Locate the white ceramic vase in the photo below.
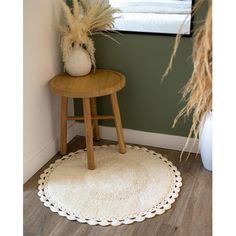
(205, 141)
(79, 62)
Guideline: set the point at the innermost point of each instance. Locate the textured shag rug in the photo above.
(124, 188)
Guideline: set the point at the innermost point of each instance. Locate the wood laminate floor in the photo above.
(190, 215)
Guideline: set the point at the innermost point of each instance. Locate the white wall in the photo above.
(42, 60)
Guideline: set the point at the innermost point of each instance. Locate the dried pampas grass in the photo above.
(86, 18)
(198, 91)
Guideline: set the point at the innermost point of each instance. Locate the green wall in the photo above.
(146, 104)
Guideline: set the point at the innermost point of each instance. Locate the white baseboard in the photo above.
(36, 161)
(145, 138)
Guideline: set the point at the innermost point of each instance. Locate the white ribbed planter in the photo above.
(205, 141)
(79, 62)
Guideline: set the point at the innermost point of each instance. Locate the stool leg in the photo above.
(119, 130)
(63, 141)
(89, 133)
(96, 134)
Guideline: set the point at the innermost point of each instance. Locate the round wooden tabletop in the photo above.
(101, 83)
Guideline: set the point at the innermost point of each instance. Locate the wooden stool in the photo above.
(100, 83)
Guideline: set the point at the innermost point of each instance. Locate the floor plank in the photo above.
(190, 215)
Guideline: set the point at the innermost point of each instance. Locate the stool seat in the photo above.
(102, 82)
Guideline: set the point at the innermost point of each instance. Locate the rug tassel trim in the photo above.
(159, 209)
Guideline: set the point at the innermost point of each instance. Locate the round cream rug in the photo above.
(124, 188)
